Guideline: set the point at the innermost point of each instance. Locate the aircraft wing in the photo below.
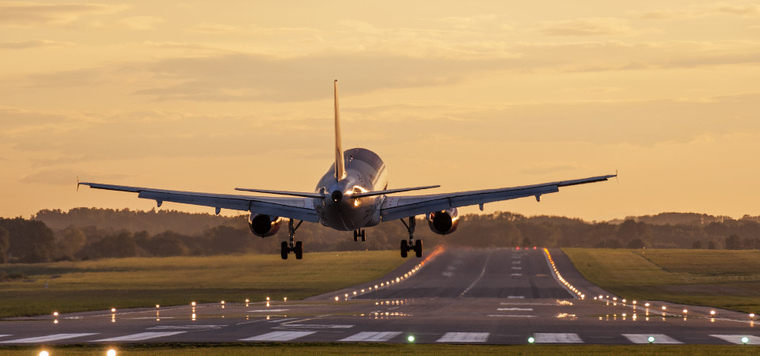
(406, 206)
(295, 208)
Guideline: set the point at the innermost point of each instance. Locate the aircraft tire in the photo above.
(299, 250)
(284, 250)
(418, 248)
(404, 248)
(364, 237)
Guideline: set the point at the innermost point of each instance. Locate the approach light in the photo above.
(113, 310)
(646, 305)
(247, 300)
(111, 352)
(410, 338)
(751, 315)
(158, 306)
(55, 313)
(193, 303)
(44, 353)
(745, 340)
(650, 339)
(531, 340)
(337, 298)
(712, 312)
(663, 307)
(685, 311)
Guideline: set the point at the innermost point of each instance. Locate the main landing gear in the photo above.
(294, 246)
(410, 245)
(359, 233)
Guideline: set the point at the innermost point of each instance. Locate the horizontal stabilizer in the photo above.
(280, 192)
(391, 191)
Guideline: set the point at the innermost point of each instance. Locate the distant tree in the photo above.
(635, 243)
(712, 245)
(733, 242)
(696, 245)
(4, 245)
(72, 241)
(30, 241)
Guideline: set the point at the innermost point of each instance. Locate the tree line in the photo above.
(88, 233)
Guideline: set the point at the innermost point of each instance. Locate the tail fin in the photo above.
(340, 162)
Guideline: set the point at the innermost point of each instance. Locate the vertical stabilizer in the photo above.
(340, 162)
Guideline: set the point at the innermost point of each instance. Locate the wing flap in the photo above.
(295, 208)
(402, 207)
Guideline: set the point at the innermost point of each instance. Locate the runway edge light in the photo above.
(410, 338)
(531, 340)
(745, 340)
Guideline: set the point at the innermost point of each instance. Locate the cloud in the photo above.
(28, 14)
(696, 12)
(31, 44)
(140, 22)
(65, 176)
(588, 27)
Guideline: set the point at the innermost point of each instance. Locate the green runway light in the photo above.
(745, 340)
(650, 339)
(531, 340)
(410, 338)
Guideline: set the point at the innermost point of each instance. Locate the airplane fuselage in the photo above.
(365, 172)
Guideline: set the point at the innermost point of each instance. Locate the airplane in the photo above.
(352, 195)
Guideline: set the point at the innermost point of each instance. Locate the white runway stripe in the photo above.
(142, 336)
(464, 337)
(374, 336)
(280, 336)
(48, 338)
(737, 339)
(5, 335)
(658, 339)
(557, 338)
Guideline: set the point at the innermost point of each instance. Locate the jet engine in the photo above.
(264, 225)
(443, 222)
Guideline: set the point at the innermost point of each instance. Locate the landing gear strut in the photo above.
(294, 246)
(410, 245)
(358, 233)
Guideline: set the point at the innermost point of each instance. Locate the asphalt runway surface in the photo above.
(456, 296)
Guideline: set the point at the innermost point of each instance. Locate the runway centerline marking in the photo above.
(142, 336)
(482, 273)
(557, 338)
(47, 338)
(463, 337)
(372, 336)
(737, 339)
(658, 339)
(316, 326)
(280, 336)
(514, 309)
(510, 316)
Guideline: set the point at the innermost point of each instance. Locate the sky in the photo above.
(209, 96)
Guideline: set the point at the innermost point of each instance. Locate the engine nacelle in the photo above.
(443, 222)
(264, 225)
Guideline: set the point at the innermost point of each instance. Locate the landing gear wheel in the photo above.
(299, 250)
(356, 235)
(418, 248)
(404, 248)
(284, 250)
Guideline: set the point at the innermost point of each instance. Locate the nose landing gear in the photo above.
(359, 233)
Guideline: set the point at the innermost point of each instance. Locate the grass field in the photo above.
(718, 278)
(396, 349)
(145, 282)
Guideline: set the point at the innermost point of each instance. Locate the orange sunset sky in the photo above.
(213, 95)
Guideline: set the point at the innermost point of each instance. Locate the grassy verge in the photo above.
(145, 282)
(718, 278)
(398, 349)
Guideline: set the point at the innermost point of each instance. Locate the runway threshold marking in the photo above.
(557, 338)
(142, 336)
(372, 336)
(463, 337)
(48, 338)
(280, 336)
(737, 339)
(514, 309)
(317, 326)
(658, 339)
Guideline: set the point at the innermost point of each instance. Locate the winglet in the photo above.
(78, 183)
(340, 162)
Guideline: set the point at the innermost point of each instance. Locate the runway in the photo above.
(457, 296)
